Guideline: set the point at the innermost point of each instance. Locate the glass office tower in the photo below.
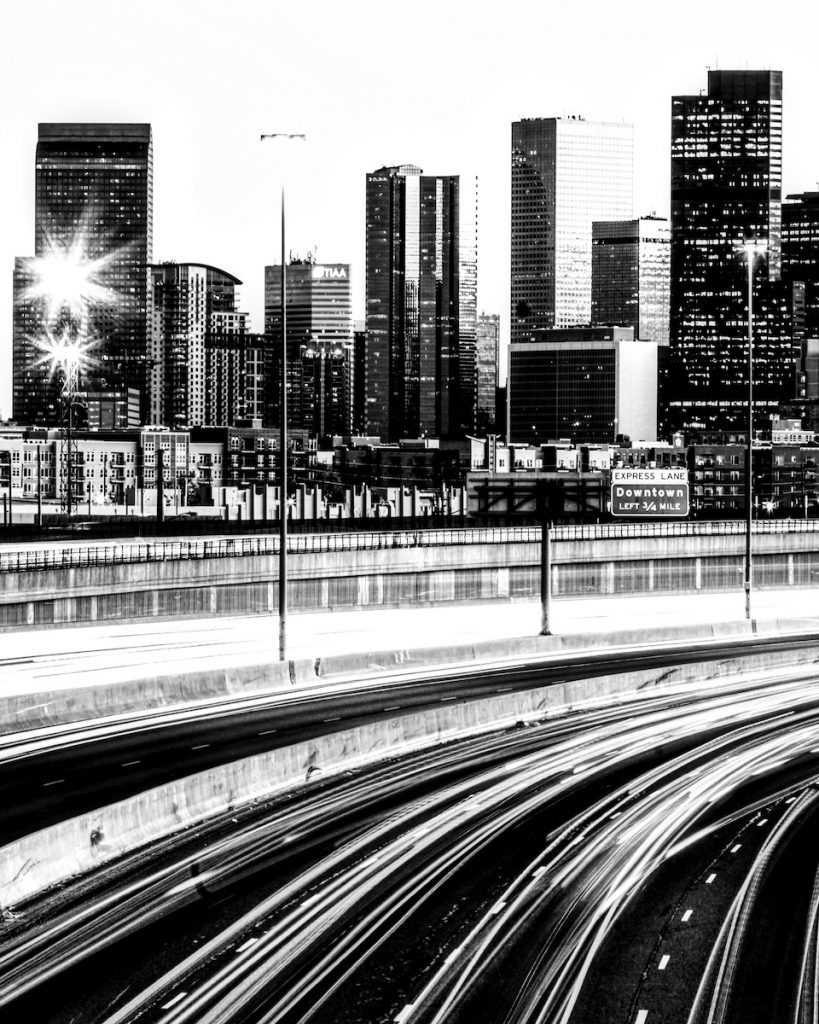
(421, 304)
(319, 340)
(631, 264)
(94, 195)
(726, 181)
(566, 173)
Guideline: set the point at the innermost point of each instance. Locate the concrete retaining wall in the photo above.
(388, 577)
(55, 854)
(64, 706)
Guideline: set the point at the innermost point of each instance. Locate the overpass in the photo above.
(48, 585)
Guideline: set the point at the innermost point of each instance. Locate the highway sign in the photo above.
(649, 492)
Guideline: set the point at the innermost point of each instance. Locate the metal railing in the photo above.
(79, 556)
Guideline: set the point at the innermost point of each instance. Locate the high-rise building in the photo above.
(566, 173)
(487, 352)
(726, 181)
(800, 257)
(586, 384)
(195, 367)
(631, 276)
(94, 205)
(319, 343)
(421, 303)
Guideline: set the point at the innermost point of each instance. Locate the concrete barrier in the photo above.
(64, 706)
(46, 858)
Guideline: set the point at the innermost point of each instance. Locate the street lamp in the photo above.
(283, 424)
(751, 249)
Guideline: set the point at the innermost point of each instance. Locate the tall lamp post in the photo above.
(752, 249)
(283, 422)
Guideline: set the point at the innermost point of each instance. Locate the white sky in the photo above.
(430, 82)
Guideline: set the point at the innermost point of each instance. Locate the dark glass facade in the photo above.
(560, 392)
(726, 179)
(800, 259)
(631, 276)
(420, 304)
(319, 343)
(487, 351)
(94, 192)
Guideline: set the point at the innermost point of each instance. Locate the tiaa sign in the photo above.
(649, 492)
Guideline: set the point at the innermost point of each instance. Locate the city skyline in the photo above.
(212, 201)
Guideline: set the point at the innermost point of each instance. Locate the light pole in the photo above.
(283, 423)
(752, 249)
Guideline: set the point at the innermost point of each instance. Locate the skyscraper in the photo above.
(194, 313)
(94, 202)
(631, 276)
(566, 173)
(319, 343)
(726, 180)
(421, 303)
(487, 349)
(800, 257)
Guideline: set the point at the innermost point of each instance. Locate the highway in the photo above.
(49, 774)
(621, 863)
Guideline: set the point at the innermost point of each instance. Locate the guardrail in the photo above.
(33, 560)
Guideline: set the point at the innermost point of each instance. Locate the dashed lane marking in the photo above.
(498, 907)
(404, 1014)
(248, 944)
(763, 821)
(642, 1017)
(129, 764)
(337, 718)
(174, 1001)
(267, 732)
(661, 966)
(395, 707)
(538, 871)
(710, 879)
(737, 847)
(687, 914)
(54, 782)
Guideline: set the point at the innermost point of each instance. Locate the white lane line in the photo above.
(267, 732)
(336, 719)
(201, 746)
(764, 821)
(55, 782)
(395, 707)
(710, 879)
(446, 698)
(538, 871)
(498, 907)
(642, 1016)
(661, 966)
(174, 1001)
(128, 764)
(452, 954)
(503, 689)
(687, 914)
(248, 944)
(737, 847)
(404, 1014)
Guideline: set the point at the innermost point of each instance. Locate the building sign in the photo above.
(649, 492)
(332, 273)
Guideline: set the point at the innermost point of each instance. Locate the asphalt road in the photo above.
(511, 877)
(49, 775)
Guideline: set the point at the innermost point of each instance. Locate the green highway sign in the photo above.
(649, 492)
